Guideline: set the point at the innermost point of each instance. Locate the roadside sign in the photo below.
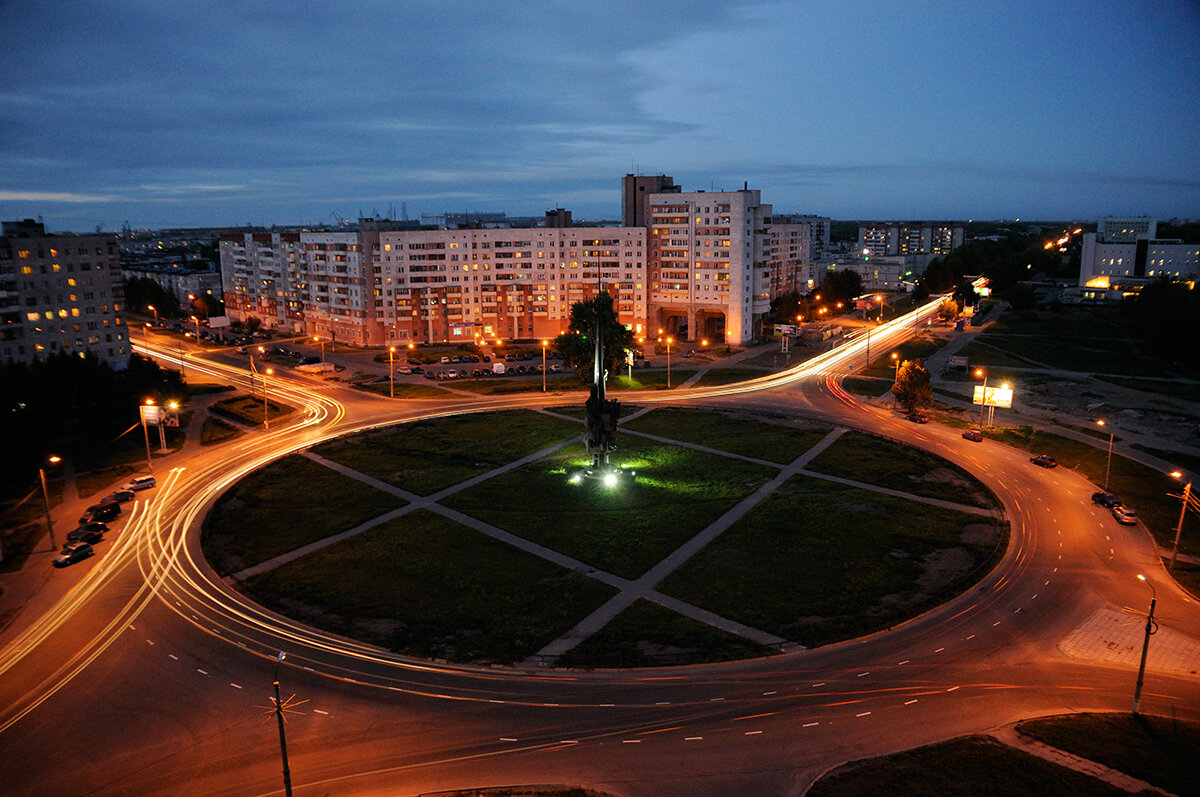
(993, 396)
(959, 362)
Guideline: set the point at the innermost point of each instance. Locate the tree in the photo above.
(912, 388)
(841, 286)
(575, 345)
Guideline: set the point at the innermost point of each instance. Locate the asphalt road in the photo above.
(150, 676)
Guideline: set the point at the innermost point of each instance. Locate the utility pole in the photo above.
(287, 773)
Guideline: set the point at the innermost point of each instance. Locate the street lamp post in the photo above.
(1187, 492)
(1108, 467)
(983, 398)
(146, 432)
(545, 343)
(669, 341)
(391, 371)
(287, 773)
(46, 498)
(1151, 628)
(196, 319)
(154, 310)
(317, 339)
(266, 410)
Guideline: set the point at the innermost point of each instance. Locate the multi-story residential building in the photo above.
(1123, 255)
(704, 265)
(876, 273)
(709, 263)
(60, 293)
(911, 238)
(181, 282)
(635, 195)
(818, 233)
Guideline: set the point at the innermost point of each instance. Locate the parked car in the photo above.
(100, 513)
(413, 361)
(1105, 499)
(418, 369)
(974, 435)
(311, 359)
(73, 553)
(404, 369)
(118, 497)
(430, 375)
(1044, 461)
(84, 534)
(1125, 515)
(918, 417)
(139, 483)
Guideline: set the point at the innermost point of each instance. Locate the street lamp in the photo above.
(266, 420)
(545, 343)
(287, 774)
(154, 310)
(391, 371)
(317, 339)
(1151, 628)
(983, 398)
(46, 498)
(1187, 492)
(880, 300)
(146, 431)
(670, 340)
(197, 320)
(1108, 467)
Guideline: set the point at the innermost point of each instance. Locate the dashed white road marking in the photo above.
(939, 650)
(952, 689)
(753, 733)
(150, 642)
(766, 694)
(995, 624)
(631, 741)
(861, 674)
(319, 711)
(507, 739)
(904, 662)
(693, 738)
(235, 686)
(173, 656)
(810, 724)
(910, 702)
(864, 714)
(814, 686)
(202, 672)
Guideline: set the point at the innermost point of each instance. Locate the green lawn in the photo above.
(623, 530)
(216, 431)
(867, 387)
(425, 586)
(1188, 390)
(980, 353)
(283, 506)
(818, 562)
(974, 766)
(647, 635)
(727, 376)
(527, 384)
(1141, 487)
(921, 348)
(649, 379)
(402, 390)
(427, 456)
(249, 409)
(730, 431)
(1159, 750)
(885, 463)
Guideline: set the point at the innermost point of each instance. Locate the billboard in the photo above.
(959, 362)
(993, 396)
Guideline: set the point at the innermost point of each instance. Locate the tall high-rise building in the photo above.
(60, 293)
(911, 238)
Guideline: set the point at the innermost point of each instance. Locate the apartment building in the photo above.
(60, 293)
(790, 255)
(909, 238)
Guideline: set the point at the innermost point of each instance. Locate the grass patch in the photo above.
(867, 387)
(727, 376)
(885, 463)
(1158, 750)
(648, 635)
(283, 506)
(1186, 573)
(1180, 389)
(975, 765)
(921, 348)
(624, 530)
(403, 390)
(818, 562)
(23, 525)
(492, 387)
(1111, 355)
(1141, 487)
(206, 388)
(428, 456)
(216, 431)
(981, 354)
(736, 433)
(650, 379)
(426, 586)
(527, 791)
(1186, 461)
(249, 409)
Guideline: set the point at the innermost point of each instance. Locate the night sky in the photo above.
(186, 114)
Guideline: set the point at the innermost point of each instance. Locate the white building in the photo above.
(1123, 254)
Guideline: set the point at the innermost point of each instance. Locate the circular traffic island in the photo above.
(465, 539)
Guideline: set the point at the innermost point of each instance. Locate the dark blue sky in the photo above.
(188, 113)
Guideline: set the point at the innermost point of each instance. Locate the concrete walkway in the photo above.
(1009, 735)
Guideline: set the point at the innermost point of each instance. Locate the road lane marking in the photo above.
(864, 714)
(753, 733)
(904, 662)
(767, 694)
(507, 739)
(715, 699)
(693, 738)
(663, 703)
(814, 686)
(910, 702)
(173, 656)
(939, 650)
(319, 711)
(150, 642)
(1034, 596)
(810, 724)
(995, 624)
(235, 686)
(202, 672)
(861, 674)
(972, 636)
(631, 741)
(952, 689)
(132, 627)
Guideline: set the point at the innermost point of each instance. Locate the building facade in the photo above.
(1123, 255)
(60, 293)
(912, 238)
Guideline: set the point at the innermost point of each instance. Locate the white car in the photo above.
(1125, 515)
(139, 483)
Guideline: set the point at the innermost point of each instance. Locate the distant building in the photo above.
(877, 273)
(818, 232)
(790, 256)
(60, 293)
(909, 238)
(1123, 255)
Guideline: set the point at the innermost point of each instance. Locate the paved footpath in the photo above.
(1009, 735)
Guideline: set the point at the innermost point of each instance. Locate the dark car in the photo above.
(73, 553)
(973, 435)
(311, 359)
(918, 417)
(1044, 461)
(430, 375)
(100, 513)
(418, 370)
(1105, 499)
(85, 534)
(413, 361)
(119, 497)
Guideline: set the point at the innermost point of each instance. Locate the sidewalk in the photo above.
(1009, 735)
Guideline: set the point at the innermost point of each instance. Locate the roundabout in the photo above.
(465, 540)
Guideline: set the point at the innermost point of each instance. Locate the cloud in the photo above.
(46, 196)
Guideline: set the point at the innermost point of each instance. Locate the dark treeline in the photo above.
(71, 406)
